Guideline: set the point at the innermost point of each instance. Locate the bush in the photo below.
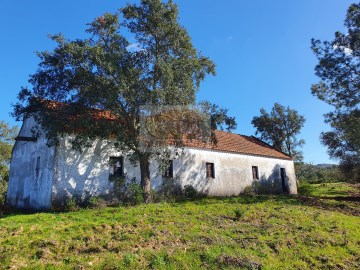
(134, 194)
(264, 187)
(316, 174)
(71, 205)
(96, 202)
(119, 186)
(3, 190)
(260, 187)
(127, 191)
(170, 191)
(190, 192)
(238, 213)
(248, 190)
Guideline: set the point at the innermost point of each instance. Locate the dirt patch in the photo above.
(356, 190)
(326, 204)
(231, 261)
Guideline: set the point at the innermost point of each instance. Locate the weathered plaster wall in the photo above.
(87, 174)
(65, 173)
(233, 172)
(26, 189)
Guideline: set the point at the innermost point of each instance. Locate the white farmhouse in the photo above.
(43, 177)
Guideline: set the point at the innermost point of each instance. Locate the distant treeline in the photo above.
(321, 173)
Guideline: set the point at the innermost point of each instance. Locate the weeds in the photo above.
(238, 213)
(3, 190)
(275, 232)
(97, 202)
(71, 205)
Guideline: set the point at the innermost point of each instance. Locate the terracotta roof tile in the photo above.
(226, 141)
(236, 143)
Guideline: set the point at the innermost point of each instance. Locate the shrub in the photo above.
(266, 187)
(96, 202)
(238, 213)
(190, 192)
(134, 194)
(169, 191)
(71, 205)
(3, 190)
(248, 190)
(127, 191)
(119, 186)
(260, 187)
(316, 174)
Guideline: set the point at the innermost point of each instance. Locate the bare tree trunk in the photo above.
(145, 177)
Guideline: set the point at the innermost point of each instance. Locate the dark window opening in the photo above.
(255, 172)
(37, 167)
(210, 170)
(116, 166)
(169, 172)
(283, 180)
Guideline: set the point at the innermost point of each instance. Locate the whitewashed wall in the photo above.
(25, 189)
(87, 174)
(233, 172)
(66, 173)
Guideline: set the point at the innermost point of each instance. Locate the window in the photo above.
(37, 167)
(169, 172)
(255, 172)
(210, 170)
(116, 166)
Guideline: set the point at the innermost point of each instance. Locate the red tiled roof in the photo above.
(236, 143)
(96, 114)
(226, 141)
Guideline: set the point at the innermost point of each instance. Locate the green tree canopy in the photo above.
(7, 136)
(107, 73)
(280, 128)
(339, 71)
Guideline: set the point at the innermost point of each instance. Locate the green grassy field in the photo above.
(249, 232)
(330, 190)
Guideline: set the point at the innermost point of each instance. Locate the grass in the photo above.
(248, 232)
(329, 190)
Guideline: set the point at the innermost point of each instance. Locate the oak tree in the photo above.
(339, 71)
(7, 136)
(280, 128)
(117, 79)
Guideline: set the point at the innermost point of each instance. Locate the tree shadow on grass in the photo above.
(244, 199)
(7, 211)
(345, 205)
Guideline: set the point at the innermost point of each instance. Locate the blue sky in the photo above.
(261, 49)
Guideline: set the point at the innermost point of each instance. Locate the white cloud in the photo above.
(344, 49)
(134, 47)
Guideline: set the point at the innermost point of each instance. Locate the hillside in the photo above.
(250, 232)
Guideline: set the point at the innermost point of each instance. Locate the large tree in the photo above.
(280, 128)
(106, 73)
(339, 71)
(7, 136)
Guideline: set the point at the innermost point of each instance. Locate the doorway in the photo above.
(283, 180)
